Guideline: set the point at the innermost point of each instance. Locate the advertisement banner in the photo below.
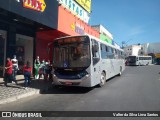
(38, 5)
(86, 4)
(77, 10)
(77, 28)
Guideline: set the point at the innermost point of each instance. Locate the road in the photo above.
(138, 89)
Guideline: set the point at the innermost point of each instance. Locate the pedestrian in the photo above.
(15, 66)
(8, 72)
(50, 70)
(47, 70)
(41, 70)
(27, 71)
(37, 66)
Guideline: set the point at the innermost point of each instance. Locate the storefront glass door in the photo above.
(2, 51)
(24, 50)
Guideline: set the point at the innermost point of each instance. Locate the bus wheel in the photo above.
(102, 79)
(139, 64)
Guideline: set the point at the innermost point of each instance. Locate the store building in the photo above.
(20, 20)
(105, 35)
(70, 22)
(27, 26)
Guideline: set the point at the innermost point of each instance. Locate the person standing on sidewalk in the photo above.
(8, 72)
(46, 71)
(27, 71)
(41, 70)
(37, 66)
(15, 66)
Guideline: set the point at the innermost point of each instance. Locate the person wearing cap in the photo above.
(37, 66)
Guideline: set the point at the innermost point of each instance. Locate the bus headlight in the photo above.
(87, 75)
(54, 75)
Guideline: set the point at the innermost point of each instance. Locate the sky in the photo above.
(132, 21)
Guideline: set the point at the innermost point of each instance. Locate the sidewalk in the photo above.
(14, 92)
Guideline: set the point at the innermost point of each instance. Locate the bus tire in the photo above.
(139, 64)
(102, 79)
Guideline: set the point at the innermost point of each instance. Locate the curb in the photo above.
(17, 97)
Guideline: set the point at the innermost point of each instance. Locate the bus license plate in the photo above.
(68, 83)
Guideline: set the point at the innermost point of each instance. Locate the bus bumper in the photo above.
(84, 82)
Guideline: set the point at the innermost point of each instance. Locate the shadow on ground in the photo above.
(66, 90)
(46, 87)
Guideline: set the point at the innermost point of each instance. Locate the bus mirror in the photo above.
(95, 48)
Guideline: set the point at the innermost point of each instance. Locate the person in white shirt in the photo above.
(15, 66)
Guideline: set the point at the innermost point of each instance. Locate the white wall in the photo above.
(135, 50)
(132, 50)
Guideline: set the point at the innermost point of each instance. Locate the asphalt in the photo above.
(14, 92)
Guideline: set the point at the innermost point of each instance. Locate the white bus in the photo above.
(139, 60)
(85, 61)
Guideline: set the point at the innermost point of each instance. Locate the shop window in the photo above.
(103, 51)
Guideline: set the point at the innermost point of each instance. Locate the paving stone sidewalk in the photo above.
(14, 92)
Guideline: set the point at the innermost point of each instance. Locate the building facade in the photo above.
(105, 35)
(144, 49)
(19, 23)
(132, 50)
(70, 22)
(27, 26)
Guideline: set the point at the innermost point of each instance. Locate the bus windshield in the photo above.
(132, 59)
(71, 52)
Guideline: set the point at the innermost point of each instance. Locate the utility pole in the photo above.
(124, 43)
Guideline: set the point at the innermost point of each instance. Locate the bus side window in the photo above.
(116, 53)
(109, 53)
(122, 56)
(112, 53)
(103, 51)
(95, 52)
(107, 49)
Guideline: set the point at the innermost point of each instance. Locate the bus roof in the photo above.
(97, 39)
